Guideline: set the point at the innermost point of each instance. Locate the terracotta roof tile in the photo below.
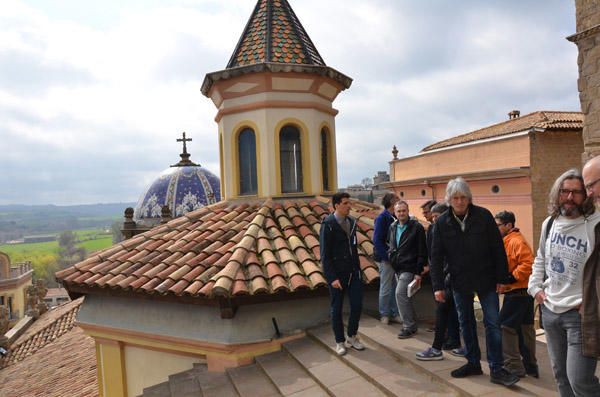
(43, 357)
(274, 34)
(546, 120)
(227, 249)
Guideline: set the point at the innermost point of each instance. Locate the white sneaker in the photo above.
(385, 320)
(396, 319)
(352, 341)
(340, 349)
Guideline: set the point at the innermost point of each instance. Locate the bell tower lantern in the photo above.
(275, 110)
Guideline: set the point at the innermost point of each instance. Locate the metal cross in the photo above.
(184, 140)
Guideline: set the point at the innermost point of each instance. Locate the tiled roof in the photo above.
(63, 367)
(229, 249)
(274, 34)
(50, 326)
(546, 120)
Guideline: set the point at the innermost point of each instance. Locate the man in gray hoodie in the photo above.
(556, 283)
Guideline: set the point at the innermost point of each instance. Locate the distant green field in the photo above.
(91, 240)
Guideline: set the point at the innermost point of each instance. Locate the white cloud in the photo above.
(100, 92)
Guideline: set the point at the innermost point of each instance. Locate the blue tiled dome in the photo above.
(182, 188)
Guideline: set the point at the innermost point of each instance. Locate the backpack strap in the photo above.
(548, 227)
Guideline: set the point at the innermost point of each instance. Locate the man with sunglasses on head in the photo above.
(556, 281)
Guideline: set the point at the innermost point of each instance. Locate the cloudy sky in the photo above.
(93, 94)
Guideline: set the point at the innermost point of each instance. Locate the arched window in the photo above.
(290, 160)
(325, 159)
(247, 162)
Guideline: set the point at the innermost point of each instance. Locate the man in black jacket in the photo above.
(339, 257)
(467, 239)
(408, 255)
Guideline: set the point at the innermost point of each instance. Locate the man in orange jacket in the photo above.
(516, 315)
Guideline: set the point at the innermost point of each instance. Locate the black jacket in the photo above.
(339, 254)
(410, 255)
(476, 258)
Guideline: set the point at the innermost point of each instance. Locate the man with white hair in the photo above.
(467, 239)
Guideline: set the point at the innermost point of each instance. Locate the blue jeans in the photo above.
(353, 287)
(407, 311)
(574, 373)
(387, 286)
(491, 321)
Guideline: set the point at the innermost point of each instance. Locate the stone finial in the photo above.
(32, 302)
(165, 214)
(129, 226)
(41, 290)
(395, 153)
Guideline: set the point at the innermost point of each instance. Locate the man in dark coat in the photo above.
(408, 255)
(467, 239)
(339, 257)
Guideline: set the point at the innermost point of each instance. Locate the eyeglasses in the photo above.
(590, 185)
(567, 192)
(500, 224)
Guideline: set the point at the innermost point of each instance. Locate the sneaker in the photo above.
(430, 354)
(460, 352)
(340, 349)
(385, 320)
(467, 370)
(406, 333)
(395, 319)
(352, 341)
(532, 370)
(450, 345)
(503, 377)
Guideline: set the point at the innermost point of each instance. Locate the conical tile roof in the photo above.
(274, 34)
(228, 249)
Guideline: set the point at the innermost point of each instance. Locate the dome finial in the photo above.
(185, 156)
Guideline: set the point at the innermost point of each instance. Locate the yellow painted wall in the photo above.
(146, 368)
(491, 156)
(267, 121)
(266, 102)
(18, 297)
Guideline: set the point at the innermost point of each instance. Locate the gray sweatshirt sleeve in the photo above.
(538, 270)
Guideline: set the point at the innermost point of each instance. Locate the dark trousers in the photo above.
(353, 287)
(491, 320)
(518, 332)
(446, 319)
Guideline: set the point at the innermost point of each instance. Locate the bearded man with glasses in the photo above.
(556, 283)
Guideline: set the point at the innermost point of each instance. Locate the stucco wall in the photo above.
(493, 155)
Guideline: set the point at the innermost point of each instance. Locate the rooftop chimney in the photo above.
(513, 114)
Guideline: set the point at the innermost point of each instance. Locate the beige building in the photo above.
(14, 281)
(510, 165)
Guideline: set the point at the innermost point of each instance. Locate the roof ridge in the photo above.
(12, 359)
(544, 114)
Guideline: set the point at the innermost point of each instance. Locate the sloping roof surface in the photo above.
(547, 120)
(53, 359)
(274, 34)
(227, 249)
(50, 326)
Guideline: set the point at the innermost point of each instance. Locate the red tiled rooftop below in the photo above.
(229, 249)
(548, 120)
(49, 327)
(64, 367)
